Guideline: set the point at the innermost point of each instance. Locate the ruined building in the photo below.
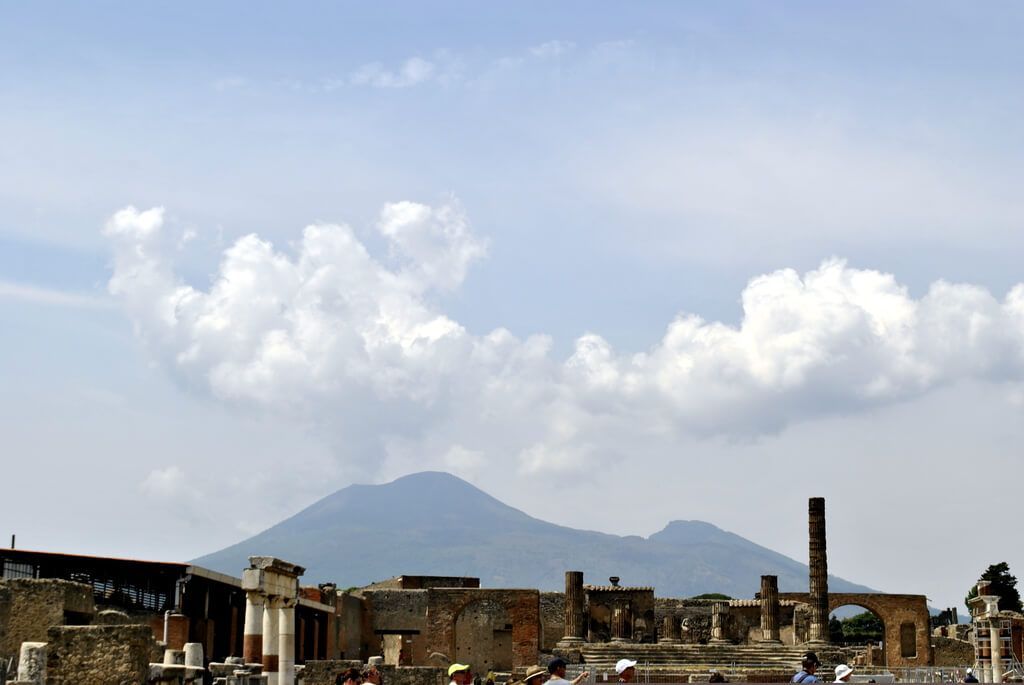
(172, 622)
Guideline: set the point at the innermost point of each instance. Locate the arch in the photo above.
(904, 617)
(522, 608)
(884, 636)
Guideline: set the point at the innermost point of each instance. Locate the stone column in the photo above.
(996, 648)
(32, 663)
(719, 610)
(818, 563)
(620, 622)
(286, 642)
(252, 637)
(770, 609)
(271, 616)
(670, 632)
(574, 610)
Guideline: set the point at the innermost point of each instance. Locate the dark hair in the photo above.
(348, 674)
(556, 664)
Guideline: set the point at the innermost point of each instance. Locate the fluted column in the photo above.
(620, 623)
(252, 636)
(574, 610)
(719, 611)
(271, 618)
(818, 563)
(770, 609)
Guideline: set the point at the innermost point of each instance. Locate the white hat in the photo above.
(970, 671)
(622, 664)
(842, 670)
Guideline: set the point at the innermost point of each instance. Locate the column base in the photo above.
(719, 641)
(621, 640)
(570, 643)
(771, 641)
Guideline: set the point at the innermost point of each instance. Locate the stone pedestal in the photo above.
(770, 609)
(719, 612)
(32, 663)
(575, 616)
(818, 563)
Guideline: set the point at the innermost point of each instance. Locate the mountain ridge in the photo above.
(434, 523)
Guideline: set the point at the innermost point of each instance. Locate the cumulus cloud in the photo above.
(355, 343)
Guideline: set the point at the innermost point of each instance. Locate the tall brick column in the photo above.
(770, 609)
(818, 563)
(575, 623)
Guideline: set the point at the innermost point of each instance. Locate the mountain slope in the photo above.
(435, 523)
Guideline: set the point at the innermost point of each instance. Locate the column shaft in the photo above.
(574, 608)
(252, 637)
(620, 620)
(818, 563)
(719, 610)
(271, 617)
(286, 643)
(770, 609)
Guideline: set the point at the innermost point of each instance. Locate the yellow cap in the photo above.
(455, 668)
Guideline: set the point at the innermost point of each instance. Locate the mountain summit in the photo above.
(434, 523)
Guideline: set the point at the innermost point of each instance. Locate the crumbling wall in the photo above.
(951, 652)
(552, 619)
(523, 611)
(29, 607)
(323, 672)
(98, 655)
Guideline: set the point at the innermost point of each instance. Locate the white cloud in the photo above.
(413, 71)
(333, 335)
(166, 483)
(552, 48)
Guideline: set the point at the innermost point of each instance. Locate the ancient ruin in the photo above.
(115, 620)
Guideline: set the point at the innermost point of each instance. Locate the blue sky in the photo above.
(617, 165)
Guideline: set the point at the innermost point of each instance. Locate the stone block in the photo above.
(32, 662)
(98, 655)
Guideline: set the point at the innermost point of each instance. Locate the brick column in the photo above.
(818, 563)
(574, 634)
(770, 609)
(252, 636)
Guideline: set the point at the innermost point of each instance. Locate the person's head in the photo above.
(626, 670)
(843, 672)
(372, 675)
(350, 676)
(556, 667)
(461, 674)
(810, 662)
(535, 675)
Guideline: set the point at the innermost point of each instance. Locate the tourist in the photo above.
(969, 678)
(809, 666)
(556, 667)
(626, 670)
(460, 674)
(843, 673)
(535, 675)
(350, 676)
(372, 675)
(717, 677)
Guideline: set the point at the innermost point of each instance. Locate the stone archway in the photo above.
(905, 617)
(522, 608)
(884, 637)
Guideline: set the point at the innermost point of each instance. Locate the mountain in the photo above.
(436, 524)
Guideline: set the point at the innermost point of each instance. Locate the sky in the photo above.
(614, 263)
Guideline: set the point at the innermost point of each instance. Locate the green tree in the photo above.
(1002, 583)
(835, 631)
(712, 595)
(864, 627)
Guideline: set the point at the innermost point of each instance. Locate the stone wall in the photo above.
(552, 619)
(323, 672)
(29, 607)
(952, 652)
(98, 655)
(522, 608)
